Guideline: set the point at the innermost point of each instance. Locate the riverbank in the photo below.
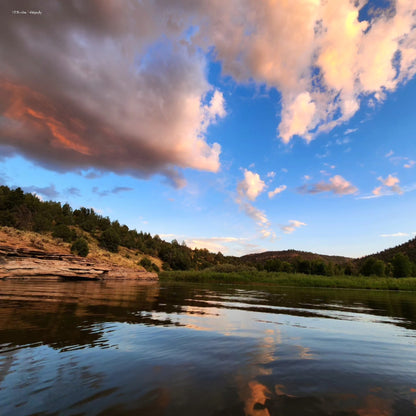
(28, 255)
(292, 279)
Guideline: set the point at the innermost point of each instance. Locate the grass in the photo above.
(292, 279)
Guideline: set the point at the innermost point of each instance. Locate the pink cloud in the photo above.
(292, 226)
(276, 191)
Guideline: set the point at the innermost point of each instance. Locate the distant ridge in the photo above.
(290, 255)
(408, 248)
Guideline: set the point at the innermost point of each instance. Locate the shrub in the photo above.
(64, 232)
(149, 265)
(80, 247)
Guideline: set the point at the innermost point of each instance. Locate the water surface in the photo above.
(92, 348)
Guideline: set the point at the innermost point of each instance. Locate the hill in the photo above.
(291, 255)
(408, 249)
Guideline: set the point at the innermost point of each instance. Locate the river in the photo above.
(125, 348)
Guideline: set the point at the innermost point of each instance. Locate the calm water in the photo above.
(92, 348)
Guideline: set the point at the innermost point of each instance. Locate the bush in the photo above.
(64, 232)
(80, 247)
(149, 265)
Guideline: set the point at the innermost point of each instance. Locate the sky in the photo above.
(239, 126)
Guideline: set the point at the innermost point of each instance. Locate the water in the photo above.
(92, 348)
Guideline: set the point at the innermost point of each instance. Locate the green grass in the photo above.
(291, 279)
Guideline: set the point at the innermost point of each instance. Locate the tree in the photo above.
(80, 247)
(64, 232)
(110, 240)
(402, 267)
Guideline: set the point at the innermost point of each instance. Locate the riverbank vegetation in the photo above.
(290, 279)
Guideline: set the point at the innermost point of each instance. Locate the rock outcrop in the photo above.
(26, 263)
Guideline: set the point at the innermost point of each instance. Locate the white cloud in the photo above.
(292, 226)
(399, 234)
(349, 131)
(251, 186)
(297, 117)
(248, 190)
(276, 191)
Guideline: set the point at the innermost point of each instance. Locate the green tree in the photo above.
(110, 240)
(402, 266)
(80, 247)
(64, 232)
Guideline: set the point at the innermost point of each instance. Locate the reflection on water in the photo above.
(93, 348)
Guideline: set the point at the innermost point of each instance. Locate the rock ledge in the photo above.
(25, 263)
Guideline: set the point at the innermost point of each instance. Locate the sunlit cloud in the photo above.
(214, 244)
(140, 102)
(389, 184)
(337, 185)
(409, 164)
(251, 186)
(248, 190)
(292, 226)
(276, 191)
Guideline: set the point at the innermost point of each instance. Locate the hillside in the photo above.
(408, 249)
(291, 255)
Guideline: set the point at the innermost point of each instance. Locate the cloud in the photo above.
(297, 118)
(113, 191)
(127, 91)
(399, 234)
(122, 93)
(248, 190)
(74, 191)
(349, 131)
(325, 58)
(251, 186)
(410, 164)
(276, 191)
(214, 244)
(291, 227)
(390, 183)
(337, 185)
(46, 191)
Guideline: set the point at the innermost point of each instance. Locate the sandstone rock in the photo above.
(23, 263)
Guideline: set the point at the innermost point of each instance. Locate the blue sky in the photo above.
(217, 125)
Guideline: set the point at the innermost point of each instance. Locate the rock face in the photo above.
(26, 263)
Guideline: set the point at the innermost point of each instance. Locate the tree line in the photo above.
(26, 211)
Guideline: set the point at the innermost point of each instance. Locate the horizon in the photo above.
(194, 123)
